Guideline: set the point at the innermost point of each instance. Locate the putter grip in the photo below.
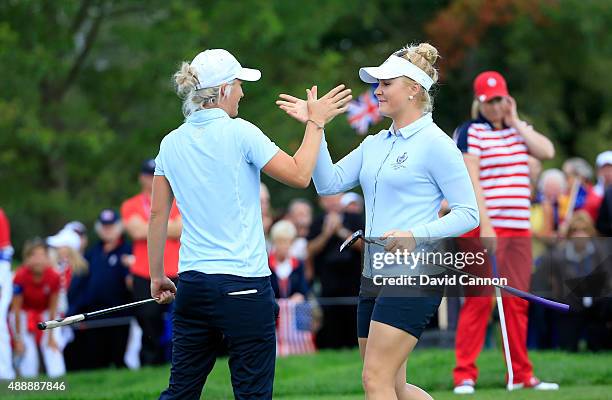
(537, 299)
(61, 322)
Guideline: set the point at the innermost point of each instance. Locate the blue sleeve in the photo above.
(78, 298)
(256, 147)
(126, 250)
(330, 178)
(127, 246)
(17, 289)
(6, 253)
(451, 176)
(460, 136)
(159, 163)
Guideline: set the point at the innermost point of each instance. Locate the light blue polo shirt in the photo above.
(213, 164)
(404, 176)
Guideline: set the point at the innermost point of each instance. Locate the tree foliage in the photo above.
(86, 91)
(555, 54)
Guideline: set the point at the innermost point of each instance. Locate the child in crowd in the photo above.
(36, 287)
(287, 277)
(293, 328)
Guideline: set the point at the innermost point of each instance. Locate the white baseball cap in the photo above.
(217, 66)
(65, 238)
(395, 67)
(604, 158)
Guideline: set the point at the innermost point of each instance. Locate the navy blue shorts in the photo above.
(213, 308)
(409, 311)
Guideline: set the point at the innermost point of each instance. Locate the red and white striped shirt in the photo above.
(504, 172)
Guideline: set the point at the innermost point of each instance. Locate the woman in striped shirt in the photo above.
(496, 144)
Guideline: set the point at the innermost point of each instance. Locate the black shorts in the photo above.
(214, 308)
(408, 310)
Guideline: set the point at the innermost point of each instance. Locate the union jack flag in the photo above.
(363, 112)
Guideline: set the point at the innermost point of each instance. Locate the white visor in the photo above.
(394, 67)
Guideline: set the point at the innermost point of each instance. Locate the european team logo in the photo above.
(400, 160)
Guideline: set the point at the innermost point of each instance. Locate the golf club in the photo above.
(519, 293)
(85, 316)
(356, 236)
(504, 329)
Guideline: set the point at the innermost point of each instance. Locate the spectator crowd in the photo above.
(316, 285)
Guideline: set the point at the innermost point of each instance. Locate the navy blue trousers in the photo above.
(210, 309)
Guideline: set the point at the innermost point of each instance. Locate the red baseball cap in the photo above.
(490, 84)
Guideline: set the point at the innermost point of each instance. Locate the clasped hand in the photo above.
(322, 110)
(399, 240)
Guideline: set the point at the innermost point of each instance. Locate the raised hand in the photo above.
(332, 223)
(327, 107)
(511, 117)
(298, 108)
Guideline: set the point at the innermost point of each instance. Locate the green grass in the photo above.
(336, 375)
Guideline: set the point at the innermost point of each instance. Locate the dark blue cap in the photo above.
(148, 167)
(108, 217)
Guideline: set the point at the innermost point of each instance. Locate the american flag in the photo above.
(363, 112)
(293, 334)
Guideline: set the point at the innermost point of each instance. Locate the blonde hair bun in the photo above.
(423, 56)
(428, 52)
(185, 80)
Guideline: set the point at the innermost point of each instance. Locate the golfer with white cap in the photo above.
(211, 164)
(405, 172)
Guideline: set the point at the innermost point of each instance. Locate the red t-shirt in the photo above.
(5, 230)
(140, 205)
(592, 203)
(36, 291)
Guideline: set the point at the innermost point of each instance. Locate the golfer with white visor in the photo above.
(211, 164)
(405, 172)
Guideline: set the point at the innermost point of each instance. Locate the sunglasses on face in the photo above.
(495, 100)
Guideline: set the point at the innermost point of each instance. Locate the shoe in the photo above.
(466, 387)
(535, 384)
